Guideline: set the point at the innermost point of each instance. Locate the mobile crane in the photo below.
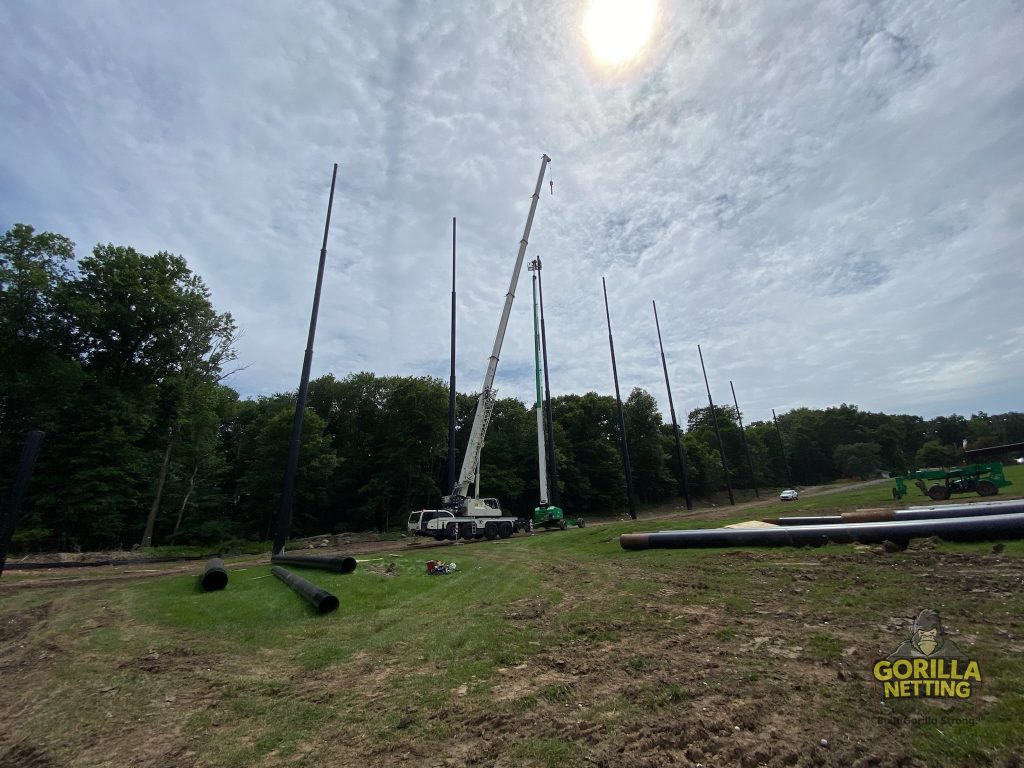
(466, 516)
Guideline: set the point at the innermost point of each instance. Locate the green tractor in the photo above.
(552, 517)
(940, 484)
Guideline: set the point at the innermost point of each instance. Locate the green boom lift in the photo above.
(545, 515)
(939, 484)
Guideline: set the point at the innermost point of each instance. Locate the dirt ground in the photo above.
(680, 680)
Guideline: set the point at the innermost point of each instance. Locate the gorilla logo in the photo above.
(927, 640)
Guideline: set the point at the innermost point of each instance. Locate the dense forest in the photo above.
(120, 357)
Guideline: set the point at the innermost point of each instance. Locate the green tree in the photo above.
(261, 482)
(933, 454)
(858, 459)
(651, 477)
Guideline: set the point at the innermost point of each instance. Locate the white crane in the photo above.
(470, 473)
(465, 516)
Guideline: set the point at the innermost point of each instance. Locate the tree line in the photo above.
(120, 357)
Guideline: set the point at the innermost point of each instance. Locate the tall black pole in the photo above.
(743, 434)
(618, 402)
(451, 383)
(718, 433)
(552, 464)
(284, 515)
(12, 509)
(782, 445)
(680, 455)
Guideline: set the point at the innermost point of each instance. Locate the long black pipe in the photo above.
(327, 563)
(12, 509)
(284, 515)
(451, 380)
(782, 446)
(990, 527)
(321, 599)
(714, 420)
(923, 513)
(743, 434)
(552, 464)
(618, 402)
(215, 575)
(680, 454)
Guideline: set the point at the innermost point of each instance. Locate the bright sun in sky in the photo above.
(617, 30)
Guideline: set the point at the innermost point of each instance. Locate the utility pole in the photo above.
(284, 516)
(743, 434)
(552, 463)
(782, 445)
(618, 402)
(11, 511)
(680, 455)
(451, 380)
(718, 433)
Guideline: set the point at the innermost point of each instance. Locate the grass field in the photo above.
(880, 495)
(558, 649)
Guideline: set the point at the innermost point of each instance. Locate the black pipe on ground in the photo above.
(914, 513)
(982, 528)
(27, 566)
(215, 575)
(321, 599)
(335, 564)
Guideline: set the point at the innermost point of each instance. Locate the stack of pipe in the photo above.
(976, 509)
(1000, 520)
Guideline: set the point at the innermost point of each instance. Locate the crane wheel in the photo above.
(581, 523)
(451, 532)
(987, 488)
(938, 493)
(466, 531)
(505, 529)
(491, 531)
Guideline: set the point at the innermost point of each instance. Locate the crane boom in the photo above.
(485, 404)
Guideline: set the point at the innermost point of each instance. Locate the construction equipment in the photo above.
(545, 515)
(477, 517)
(939, 484)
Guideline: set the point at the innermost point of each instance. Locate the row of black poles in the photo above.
(680, 453)
(287, 493)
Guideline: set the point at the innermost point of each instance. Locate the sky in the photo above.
(828, 197)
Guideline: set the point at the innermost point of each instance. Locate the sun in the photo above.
(617, 30)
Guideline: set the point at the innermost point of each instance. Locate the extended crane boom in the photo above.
(471, 461)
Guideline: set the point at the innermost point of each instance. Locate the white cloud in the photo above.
(826, 196)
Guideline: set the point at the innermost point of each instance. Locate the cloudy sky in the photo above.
(827, 196)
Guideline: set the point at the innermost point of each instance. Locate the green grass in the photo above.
(252, 676)
(880, 495)
(548, 752)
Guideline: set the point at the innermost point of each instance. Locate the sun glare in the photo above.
(617, 30)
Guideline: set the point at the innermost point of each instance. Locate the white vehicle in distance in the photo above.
(789, 495)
